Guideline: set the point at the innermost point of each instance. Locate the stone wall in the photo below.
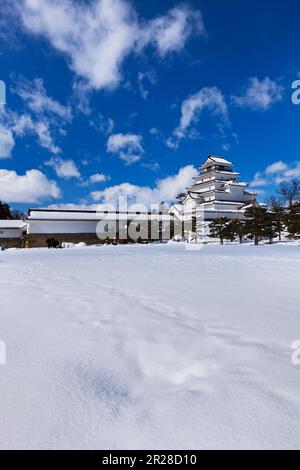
(11, 242)
(39, 240)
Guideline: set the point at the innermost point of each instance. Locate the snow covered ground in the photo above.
(150, 347)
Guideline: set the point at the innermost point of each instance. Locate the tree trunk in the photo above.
(256, 239)
(241, 239)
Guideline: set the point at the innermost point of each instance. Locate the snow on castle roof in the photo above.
(12, 224)
(90, 216)
(218, 160)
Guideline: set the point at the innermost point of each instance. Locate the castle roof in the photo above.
(56, 215)
(212, 159)
(12, 224)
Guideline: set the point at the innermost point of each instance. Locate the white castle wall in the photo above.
(10, 233)
(61, 226)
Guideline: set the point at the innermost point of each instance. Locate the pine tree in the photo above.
(270, 227)
(256, 222)
(228, 234)
(279, 216)
(293, 221)
(236, 228)
(5, 212)
(218, 229)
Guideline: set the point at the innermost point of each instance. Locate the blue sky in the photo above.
(111, 97)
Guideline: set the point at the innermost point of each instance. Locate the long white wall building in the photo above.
(11, 233)
(94, 227)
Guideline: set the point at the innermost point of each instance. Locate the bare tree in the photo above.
(181, 197)
(7, 213)
(16, 214)
(290, 192)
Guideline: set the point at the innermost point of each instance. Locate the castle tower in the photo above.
(217, 192)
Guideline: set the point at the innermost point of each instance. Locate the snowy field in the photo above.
(150, 347)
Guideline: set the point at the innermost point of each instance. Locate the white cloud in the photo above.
(170, 32)
(72, 206)
(103, 124)
(43, 131)
(47, 116)
(144, 77)
(42, 117)
(81, 97)
(7, 30)
(157, 134)
(260, 94)
(127, 146)
(211, 99)
(154, 131)
(275, 174)
(226, 147)
(24, 124)
(259, 180)
(153, 166)
(94, 37)
(276, 167)
(35, 97)
(169, 187)
(293, 172)
(64, 168)
(99, 178)
(31, 187)
(165, 190)
(7, 142)
(98, 36)
(106, 125)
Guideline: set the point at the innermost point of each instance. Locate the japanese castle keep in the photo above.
(216, 192)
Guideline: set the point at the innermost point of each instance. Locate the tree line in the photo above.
(282, 215)
(7, 213)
